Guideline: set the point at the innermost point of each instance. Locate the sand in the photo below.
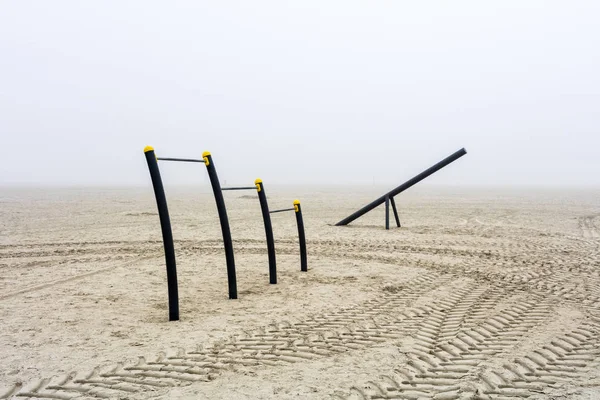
(482, 294)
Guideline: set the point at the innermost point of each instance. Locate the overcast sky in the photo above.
(298, 92)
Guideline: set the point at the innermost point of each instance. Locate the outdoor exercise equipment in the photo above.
(163, 212)
(300, 222)
(389, 196)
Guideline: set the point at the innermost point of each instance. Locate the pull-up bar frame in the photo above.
(207, 160)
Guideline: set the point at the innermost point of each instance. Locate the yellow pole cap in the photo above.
(148, 148)
(257, 181)
(296, 202)
(206, 154)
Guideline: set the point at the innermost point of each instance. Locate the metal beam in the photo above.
(240, 188)
(180, 159)
(282, 210)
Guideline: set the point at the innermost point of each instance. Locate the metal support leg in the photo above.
(227, 242)
(165, 226)
(301, 237)
(395, 212)
(387, 212)
(264, 206)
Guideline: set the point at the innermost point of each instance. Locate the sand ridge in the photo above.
(480, 295)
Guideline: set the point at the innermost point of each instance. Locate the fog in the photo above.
(336, 92)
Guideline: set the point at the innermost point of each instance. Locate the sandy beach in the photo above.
(482, 294)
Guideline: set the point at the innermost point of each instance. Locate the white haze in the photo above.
(344, 92)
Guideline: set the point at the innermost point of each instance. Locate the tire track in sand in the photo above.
(435, 369)
(375, 321)
(565, 359)
(72, 278)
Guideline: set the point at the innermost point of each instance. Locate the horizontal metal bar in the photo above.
(240, 188)
(181, 159)
(282, 210)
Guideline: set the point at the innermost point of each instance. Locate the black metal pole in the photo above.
(387, 212)
(264, 207)
(301, 238)
(227, 242)
(167, 234)
(395, 211)
(404, 186)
